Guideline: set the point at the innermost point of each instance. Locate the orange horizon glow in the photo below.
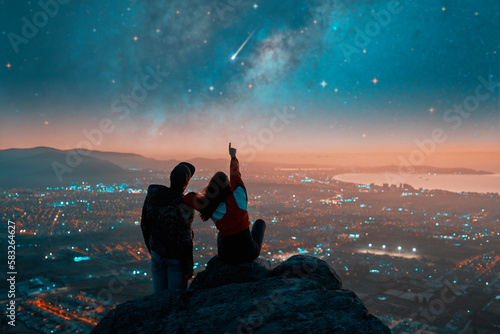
(483, 158)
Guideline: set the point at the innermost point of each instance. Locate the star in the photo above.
(135, 38)
(8, 65)
(250, 86)
(323, 84)
(255, 6)
(211, 88)
(363, 135)
(46, 122)
(432, 110)
(443, 9)
(476, 13)
(336, 90)
(375, 81)
(364, 50)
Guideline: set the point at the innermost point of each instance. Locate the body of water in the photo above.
(448, 182)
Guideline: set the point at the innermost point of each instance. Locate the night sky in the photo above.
(374, 75)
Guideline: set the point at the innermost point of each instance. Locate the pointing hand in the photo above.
(232, 151)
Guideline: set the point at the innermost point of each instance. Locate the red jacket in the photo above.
(230, 217)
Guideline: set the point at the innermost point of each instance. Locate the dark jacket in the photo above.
(166, 224)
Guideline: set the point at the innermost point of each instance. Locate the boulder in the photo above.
(302, 295)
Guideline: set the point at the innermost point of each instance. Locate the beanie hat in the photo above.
(180, 175)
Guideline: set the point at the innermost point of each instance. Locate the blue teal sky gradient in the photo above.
(374, 75)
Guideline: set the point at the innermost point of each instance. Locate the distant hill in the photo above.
(43, 166)
(39, 166)
(136, 161)
(132, 160)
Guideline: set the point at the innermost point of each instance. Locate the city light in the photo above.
(316, 220)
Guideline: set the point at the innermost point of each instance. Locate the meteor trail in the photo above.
(242, 45)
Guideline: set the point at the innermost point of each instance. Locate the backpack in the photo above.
(164, 237)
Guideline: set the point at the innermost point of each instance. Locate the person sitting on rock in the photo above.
(166, 224)
(225, 201)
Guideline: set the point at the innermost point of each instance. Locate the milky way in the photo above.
(381, 72)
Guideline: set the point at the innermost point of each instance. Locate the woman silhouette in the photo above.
(225, 201)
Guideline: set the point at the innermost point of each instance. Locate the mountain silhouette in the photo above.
(43, 167)
(40, 166)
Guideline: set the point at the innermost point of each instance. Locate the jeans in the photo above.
(167, 273)
(244, 246)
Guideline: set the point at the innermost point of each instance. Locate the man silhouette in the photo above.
(166, 224)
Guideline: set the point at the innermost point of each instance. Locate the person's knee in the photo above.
(260, 222)
(262, 225)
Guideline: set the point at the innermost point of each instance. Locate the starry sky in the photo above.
(181, 78)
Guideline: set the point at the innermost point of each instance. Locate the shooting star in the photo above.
(242, 45)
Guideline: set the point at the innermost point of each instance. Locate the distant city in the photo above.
(419, 259)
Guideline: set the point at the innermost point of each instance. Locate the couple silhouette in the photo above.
(167, 218)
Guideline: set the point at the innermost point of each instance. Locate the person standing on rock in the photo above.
(225, 201)
(166, 224)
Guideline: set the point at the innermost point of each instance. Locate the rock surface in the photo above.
(219, 273)
(302, 295)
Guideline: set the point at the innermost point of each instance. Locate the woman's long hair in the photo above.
(215, 193)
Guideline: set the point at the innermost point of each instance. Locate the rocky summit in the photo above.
(301, 295)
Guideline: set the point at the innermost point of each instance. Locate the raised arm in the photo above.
(234, 169)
